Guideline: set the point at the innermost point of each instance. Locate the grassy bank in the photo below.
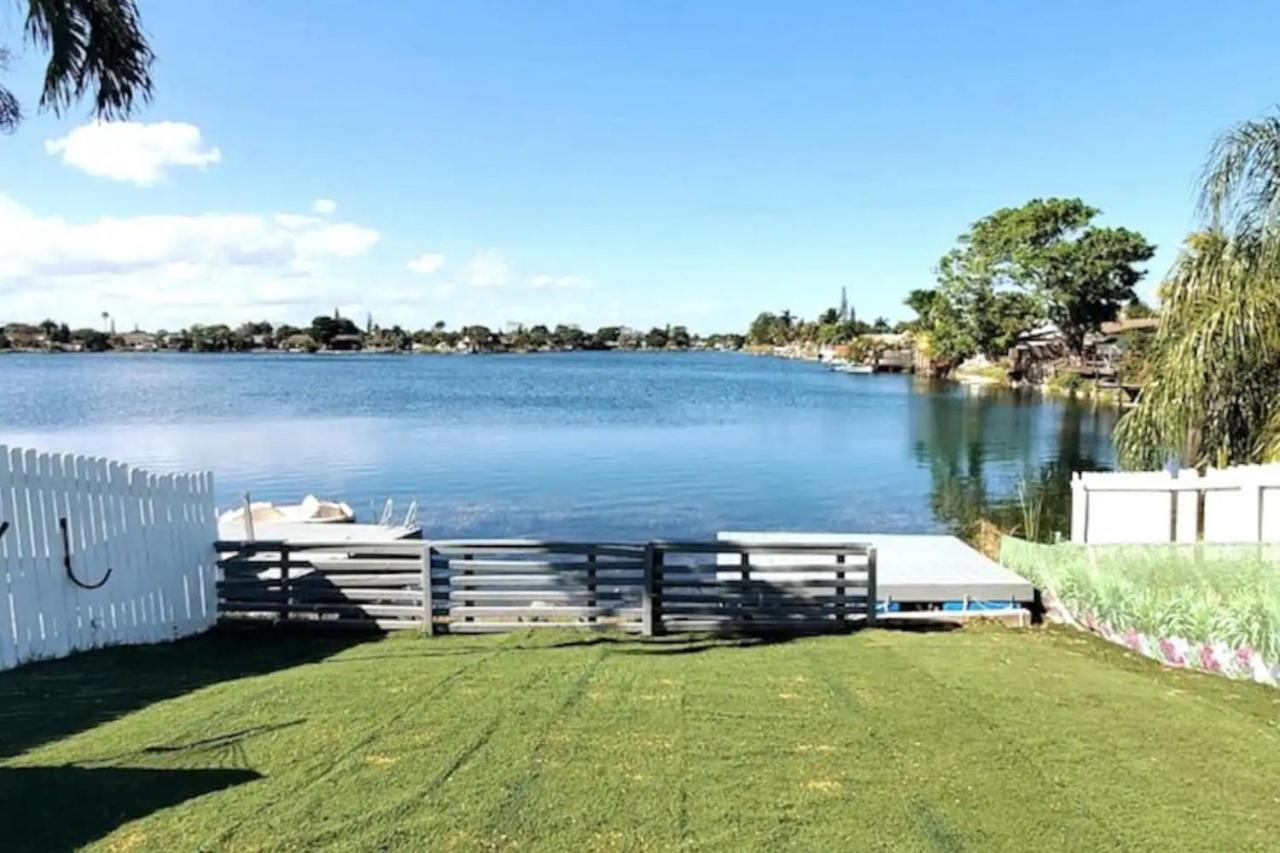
(977, 739)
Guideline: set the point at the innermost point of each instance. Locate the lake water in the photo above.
(570, 445)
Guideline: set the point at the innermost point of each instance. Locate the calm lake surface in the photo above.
(568, 445)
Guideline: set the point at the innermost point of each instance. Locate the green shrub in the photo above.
(1203, 593)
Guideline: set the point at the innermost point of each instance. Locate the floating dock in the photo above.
(916, 570)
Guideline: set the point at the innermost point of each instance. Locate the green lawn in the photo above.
(980, 739)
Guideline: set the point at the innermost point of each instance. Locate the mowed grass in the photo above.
(979, 739)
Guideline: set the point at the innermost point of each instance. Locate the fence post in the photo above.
(871, 586)
(1256, 488)
(428, 591)
(467, 603)
(840, 603)
(284, 583)
(592, 601)
(659, 560)
(1079, 509)
(651, 603)
(1186, 525)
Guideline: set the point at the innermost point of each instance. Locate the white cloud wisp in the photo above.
(131, 151)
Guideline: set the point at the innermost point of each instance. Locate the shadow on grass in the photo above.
(227, 749)
(47, 701)
(64, 808)
(575, 637)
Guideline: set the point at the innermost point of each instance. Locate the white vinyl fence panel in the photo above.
(96, 553)
(1238, 504)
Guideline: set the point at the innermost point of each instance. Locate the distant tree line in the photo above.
(337, 333)
(833, 326)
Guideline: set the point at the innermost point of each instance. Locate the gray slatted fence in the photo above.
(475, 586)
(378, 585)
(724, 585)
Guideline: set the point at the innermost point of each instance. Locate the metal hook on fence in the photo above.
(66, 560)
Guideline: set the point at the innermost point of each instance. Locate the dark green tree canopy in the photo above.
(1043, 261)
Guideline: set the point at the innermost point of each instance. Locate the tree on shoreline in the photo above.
(1023, 266)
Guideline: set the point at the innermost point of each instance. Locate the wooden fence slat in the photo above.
(155, 556)
(181, 605)
(93, 566)
(872, 601)
(80, 540)
(427, 582)
(77, 624)
(27, 592)
(205, 576)
(22, 597)
(171, 571)
(8, 559)
(123, 559)
(177, 537)
(197, 556)
(60, 594)
(112, 592)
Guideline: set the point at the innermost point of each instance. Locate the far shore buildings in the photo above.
(140, 341)
(22, 336)
(1044, 351)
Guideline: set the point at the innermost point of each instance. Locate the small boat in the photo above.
(312, 510)
(849, 367)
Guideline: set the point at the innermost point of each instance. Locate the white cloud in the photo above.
(172, 269)
(32, 246)
(324, 206)
(427, 263)
(169, 271)
(487, 269)
(562, 282)
(133, 151)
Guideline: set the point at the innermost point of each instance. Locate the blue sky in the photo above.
(604, 162)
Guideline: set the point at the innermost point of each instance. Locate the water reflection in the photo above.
(1005, 456)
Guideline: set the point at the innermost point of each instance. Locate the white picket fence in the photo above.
(1239, 504)
(97, 553)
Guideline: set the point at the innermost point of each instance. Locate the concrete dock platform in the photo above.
(911, 569)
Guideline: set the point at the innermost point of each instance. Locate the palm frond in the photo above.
(10, 110)
(94, 45)
(1215, 362)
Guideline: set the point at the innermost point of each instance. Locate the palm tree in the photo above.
(96, 47)
(1215, 398)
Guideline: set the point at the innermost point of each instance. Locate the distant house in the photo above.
(1038, 353)
(896, 351)
(346, 343)
(175, 341)
(139, 341)
(300, 342)
(23, 336)
(1106, 349)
